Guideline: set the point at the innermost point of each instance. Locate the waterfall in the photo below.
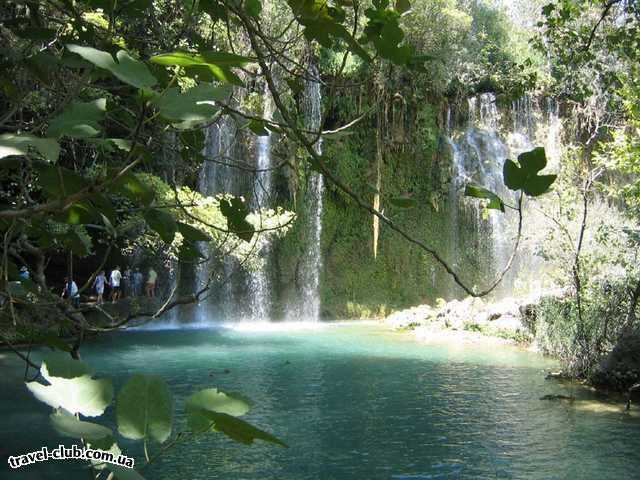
(258, 282)
(308, 303)
(215, 178)
(478, 153)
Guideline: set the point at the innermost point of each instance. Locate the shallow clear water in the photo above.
(353, 401)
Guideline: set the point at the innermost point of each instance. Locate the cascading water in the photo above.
(216, 178)
(308, 302)
(478, 155)
(258, 282)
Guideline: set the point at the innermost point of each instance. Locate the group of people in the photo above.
(120, 284)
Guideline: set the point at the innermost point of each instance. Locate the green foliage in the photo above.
(72, 388)
(201, 403)
(212, 64)
(238, 429)
(186, 110)
(162, 223)
(144, 409)
(20, 144)
(127, 69)
(79, 120)
(495, 202)
(235, 210)
(69, 426)
(525, 177)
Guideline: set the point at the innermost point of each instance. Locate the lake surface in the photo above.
(353, 401)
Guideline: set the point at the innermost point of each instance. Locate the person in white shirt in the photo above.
(151, 283)
(114, 280)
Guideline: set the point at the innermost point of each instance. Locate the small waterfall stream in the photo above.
(216, 178)
(258, 281)
(308, 303)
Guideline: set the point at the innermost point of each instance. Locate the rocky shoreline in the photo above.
(474, 320)
(516, 321)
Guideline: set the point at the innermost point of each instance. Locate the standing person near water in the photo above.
(98, 284)
(70, 291)
(114, 281)
(127, 289)
(24, 273)
(138, 278)
(152, 278)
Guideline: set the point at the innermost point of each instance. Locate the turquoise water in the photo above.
(353, 401)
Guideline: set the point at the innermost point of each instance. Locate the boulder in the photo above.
(620, 370)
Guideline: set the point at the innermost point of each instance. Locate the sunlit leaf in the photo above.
(126, 68)
(76, 394)
(495, 202)
(211, 400)
(69, 426)
(195, 106)
(20, 144)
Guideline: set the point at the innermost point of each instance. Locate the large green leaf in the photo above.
(258, 127)
(217, 64)
(60, 365)
(59, 182)
(162, 223)
(20, 144)
(192, 234)
(79, 394)
(193, 107)
(79, 120)
(525, 177)
(126, 68)
(236, 211)
(185, 59)
(69, 426)
(514, 176)
(495, 202)
(403, 6)
(533, 161)
(239, 430)
(539, 184)
(212, 400)
(144, 409)
(78, 241)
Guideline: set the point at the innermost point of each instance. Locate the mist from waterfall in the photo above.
(258, 280)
